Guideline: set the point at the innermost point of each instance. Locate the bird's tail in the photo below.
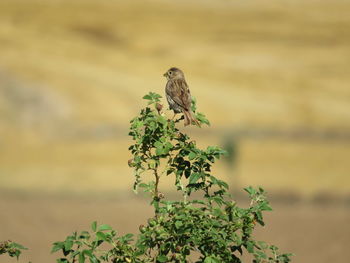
(190, 118)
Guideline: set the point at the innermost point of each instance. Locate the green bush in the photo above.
(210, 228)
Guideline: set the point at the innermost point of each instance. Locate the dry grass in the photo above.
(257, 63)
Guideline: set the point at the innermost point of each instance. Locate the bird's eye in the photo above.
(170, 72)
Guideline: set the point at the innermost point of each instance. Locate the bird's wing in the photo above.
(178, 90)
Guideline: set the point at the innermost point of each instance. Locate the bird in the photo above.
(178, 95)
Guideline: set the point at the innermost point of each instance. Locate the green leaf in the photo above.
(262, 245)
(101, 236)
(168, 146)
(93, 259)
(152, 97)
(152, 164)
(94, 226)
(68, 245)
(162, 258)
(250, 246)
(265, 207)
(178, 224)
(259, 254)
(57, 246)
(194, 104)
(16, 245)
(158, 144)
(159, 150)
(250, 190)
(17, 253)
(75, 253)
(87, 253)
(194, 178)
(129, 236)
(222, 184)
(211, 259)
(237, 238)
(104, 227)
(202, 119)
(81, 258)
(192, 155)
(214, 180)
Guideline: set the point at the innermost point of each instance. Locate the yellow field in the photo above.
(70, 70)
(72, 75)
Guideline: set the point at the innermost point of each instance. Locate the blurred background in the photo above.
(271, 76)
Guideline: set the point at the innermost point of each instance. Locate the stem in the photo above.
(156, 192)
(76, 255)
(185, 197)
(157, 182)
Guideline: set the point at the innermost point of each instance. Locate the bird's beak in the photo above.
(165, 74)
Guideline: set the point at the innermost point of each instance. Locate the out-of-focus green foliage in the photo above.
(11, 248)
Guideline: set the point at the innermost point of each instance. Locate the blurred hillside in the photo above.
(72, 74)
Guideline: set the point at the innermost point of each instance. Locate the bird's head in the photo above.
(174, 73)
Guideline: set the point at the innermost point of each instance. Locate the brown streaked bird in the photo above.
(178, 95)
